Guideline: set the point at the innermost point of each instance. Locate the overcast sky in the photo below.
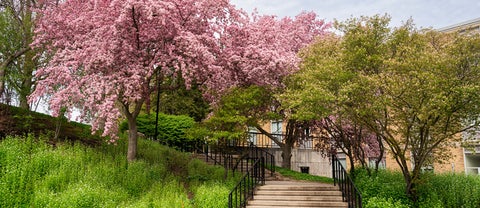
(429, 13)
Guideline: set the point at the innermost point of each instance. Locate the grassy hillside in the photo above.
(33, 173)
(17, 121)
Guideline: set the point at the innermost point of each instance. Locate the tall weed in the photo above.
(387, 189)
(36, 174)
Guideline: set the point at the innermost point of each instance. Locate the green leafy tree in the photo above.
(251, 107)
(17, 60)
(171, 129)
(417, 89)
(176, 99)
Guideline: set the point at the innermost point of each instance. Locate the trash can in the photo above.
(304, 169)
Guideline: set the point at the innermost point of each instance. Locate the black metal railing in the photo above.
(217, 155)
(269, 159)
(236, 157)
(263, 141)
(350, 193)
(244, 189)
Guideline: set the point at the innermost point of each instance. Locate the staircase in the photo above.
(289, 194)
(261, 188)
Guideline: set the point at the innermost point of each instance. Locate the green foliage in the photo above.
(375, 202)
(302, 176)
(387, 189)
(385, 185)
(451, 190)
(417, 89)
(171, 129)
(198, 172)
(182, 101)
(35, 174)
(238, 109)
(22, 122)
(211, 195)
(10, 33)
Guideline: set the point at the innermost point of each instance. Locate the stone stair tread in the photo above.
(263, 206)
(299, 198)
(296, 203)
(300, 193)
(298, 188)
(298, 183)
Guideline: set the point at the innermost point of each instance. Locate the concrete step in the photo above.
(296, 188)
(289, 194)
(275, 206)
(300, 198)
(290, 203)
(300, 193)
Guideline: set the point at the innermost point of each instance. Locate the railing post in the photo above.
(350, 193)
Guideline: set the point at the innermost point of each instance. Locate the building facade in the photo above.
(464, 159)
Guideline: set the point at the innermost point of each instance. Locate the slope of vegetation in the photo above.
(34, 173)
(387, 189)
(18, 121)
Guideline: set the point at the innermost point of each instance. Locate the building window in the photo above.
(252, 135)
(276, 131)
(372, 161)
(305, 142)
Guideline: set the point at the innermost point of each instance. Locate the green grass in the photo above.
(302, 176)
(35, 174)
(387, 189)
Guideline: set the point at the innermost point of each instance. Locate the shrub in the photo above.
(386, 186)
(211, 195)
(451, 190)
(378, 202)
(171, 129)
(387, 189)
(198, 171)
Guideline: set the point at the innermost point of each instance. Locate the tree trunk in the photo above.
(287, 156)
(29, 58)
(352, 164)
(381, 151)
(27, 79)
(410, 188)
(3, 68)
(132, 138)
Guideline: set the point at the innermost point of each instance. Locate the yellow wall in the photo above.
(454, 164)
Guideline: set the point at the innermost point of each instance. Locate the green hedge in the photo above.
(171, 129)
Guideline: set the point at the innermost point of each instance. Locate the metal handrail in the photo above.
(257, 152)
(244, 189)
(220, 156)
(350, 193)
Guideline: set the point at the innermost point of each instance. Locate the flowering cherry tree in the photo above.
(109, 55)
(262, 50)
(357, 142)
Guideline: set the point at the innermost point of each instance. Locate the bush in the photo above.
(385, 186)
(211, 195)
(171, 129)
(451, 190)
(376, 202)
(387, 189)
